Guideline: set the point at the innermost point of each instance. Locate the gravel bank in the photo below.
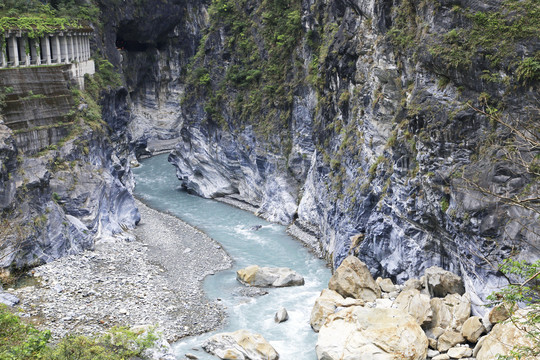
(152, 276)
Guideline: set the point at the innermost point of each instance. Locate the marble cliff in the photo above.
(397, 131)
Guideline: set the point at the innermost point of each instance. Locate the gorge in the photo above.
(402, 132)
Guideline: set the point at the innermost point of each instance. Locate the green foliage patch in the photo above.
(259, 80)
(70, 9)
(36, 26)
(493, 35)
(19, 341)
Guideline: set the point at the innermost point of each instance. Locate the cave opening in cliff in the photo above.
(130, 45)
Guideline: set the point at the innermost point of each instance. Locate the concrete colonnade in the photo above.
(58, 48)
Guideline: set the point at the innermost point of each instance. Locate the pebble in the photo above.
(121, 283)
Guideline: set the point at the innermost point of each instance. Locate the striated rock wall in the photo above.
(65, 175)
(365, 124)
(365, 138)
(57, 203)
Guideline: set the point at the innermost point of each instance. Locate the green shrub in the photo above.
(528, 70)
(20, 341)
(119, 343)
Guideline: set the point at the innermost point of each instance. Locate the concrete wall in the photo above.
(41, 98)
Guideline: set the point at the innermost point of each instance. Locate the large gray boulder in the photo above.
(242, 345)
(353, 279)
(371, 333)
(440, 282)
(255, 275)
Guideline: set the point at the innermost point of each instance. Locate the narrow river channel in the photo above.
(236, 230)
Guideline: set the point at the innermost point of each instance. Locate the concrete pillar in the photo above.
(89, 47)
(13, 47)
(81, 47)
(87, 43)
(3, 55)
(76, 41)
(71, 48)
(56, 51)
(65, 48)
(34, 52)
(23, 51)
(46, 49)
(85, 52)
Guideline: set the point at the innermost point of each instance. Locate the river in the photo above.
(270, 245)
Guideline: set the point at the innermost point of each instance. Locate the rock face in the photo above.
(352, 137)
(269, 277)
(502, 339)
(371, 148)
(66, 196)
(353, 279)
(358, 333)
(241, 345)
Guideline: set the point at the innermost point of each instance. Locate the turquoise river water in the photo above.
(294, 339)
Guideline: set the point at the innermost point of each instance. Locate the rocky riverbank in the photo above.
(150, 276)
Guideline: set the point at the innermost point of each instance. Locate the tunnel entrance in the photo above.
(130, 45)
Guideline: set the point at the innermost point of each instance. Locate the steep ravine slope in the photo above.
(364, 123)
(347, 119)
(55, 203)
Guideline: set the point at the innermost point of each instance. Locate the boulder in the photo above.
(441, 357)
(326, 305)
(386, 285)
(498, 313)
(415, 304)
(450, 312)
(413, 284)
(440, 282)
(472, 329)
(448, 340)
(242, 345)
(459, 352)
(503, 338)
(371, 333)
(281, 315)
(478, 346)
(269, 277)
(353, 279)
(8, 299)
(383, 303)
